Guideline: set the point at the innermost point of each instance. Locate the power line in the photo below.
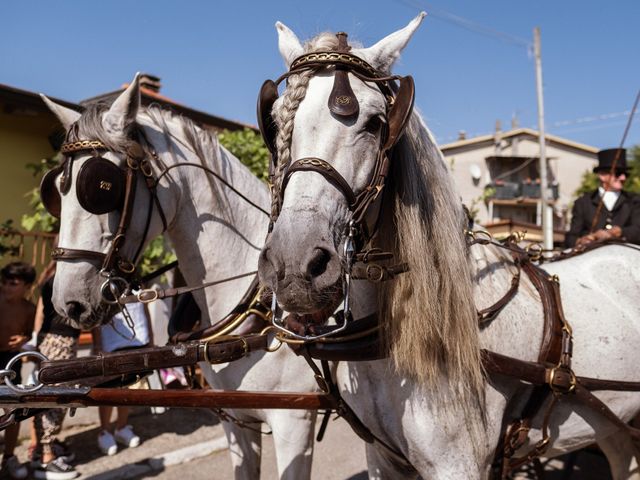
(467, 24)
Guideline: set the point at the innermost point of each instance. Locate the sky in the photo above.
(470, 58)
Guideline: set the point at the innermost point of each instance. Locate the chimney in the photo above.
(150, 82)
(462, 135)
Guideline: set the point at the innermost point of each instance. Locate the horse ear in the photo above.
(288, 43)
(383, 54)
(67, 116)
(124, 109)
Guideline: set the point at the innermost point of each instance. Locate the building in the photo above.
(498, 176)
(29, 132)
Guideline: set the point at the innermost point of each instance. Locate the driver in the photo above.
(619, 214)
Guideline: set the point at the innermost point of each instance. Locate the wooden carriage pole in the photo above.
(547, 211)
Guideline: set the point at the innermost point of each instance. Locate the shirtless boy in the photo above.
(16, 324)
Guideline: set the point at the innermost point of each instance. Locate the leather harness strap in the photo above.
(223, 350)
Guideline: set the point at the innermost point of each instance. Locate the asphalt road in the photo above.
(340, 456)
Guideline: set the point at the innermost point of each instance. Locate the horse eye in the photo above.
(373, 125)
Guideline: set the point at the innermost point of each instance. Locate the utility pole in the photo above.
(547, 211)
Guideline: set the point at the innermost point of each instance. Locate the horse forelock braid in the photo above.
(285, 113)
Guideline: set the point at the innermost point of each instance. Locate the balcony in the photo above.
(527, 189)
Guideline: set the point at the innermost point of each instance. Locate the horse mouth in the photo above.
(85, 317)
(299, 296)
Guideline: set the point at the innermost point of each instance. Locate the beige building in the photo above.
(498, 175)
(29, 133)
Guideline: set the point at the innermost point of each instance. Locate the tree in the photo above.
(590, 180)
(245, 144)
(249, 147)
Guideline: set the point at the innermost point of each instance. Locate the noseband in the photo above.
(399, 94)
(103, 187)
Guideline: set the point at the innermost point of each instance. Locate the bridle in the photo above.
(116, 190)
(343, 104)
(118, 187)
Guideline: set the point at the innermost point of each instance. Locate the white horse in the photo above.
(216, 235)
(431, 400)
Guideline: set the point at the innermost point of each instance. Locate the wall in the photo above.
(566, 163)
(23, 140)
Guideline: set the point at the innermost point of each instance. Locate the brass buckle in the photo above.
(147, 296)
(126, 266)
(572, 383)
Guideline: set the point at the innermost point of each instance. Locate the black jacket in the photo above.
(625, 214)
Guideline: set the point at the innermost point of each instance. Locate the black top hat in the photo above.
(608, 156)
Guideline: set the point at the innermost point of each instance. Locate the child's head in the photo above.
(16, 278)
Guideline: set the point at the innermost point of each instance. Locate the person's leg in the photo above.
(124, 433)
(54, 347)
(122, 418)
(51, 425)
(105, 418)
(11, 439)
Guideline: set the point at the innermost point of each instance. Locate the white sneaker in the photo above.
(14, 468)
(126, 437)
(107, 443)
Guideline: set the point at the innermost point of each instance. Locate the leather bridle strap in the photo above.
(312, 164)
(342, 408)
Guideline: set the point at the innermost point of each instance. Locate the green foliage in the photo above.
(249, 147)
(473, 209)
(39, 219)
(7, 245)
(157, 254)
(590, 182)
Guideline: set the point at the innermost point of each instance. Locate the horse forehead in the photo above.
(314, 111)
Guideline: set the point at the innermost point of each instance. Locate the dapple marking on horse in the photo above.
(431, 399)
(215, 235)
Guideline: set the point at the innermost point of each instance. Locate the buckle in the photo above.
(557, 373)
(147, 296)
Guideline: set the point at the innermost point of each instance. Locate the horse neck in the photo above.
(215, 236)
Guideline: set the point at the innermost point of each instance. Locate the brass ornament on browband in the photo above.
(82, 145)
(342, 101)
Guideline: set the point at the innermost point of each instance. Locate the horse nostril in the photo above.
(318, 263)
(75, 310)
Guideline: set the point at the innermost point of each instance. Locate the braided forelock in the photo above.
(287, 107)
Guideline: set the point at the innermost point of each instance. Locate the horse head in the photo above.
(106, 209)
(328, 171)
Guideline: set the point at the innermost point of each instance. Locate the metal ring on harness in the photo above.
(109, 289)
(24, 388)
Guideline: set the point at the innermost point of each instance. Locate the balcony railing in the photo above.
(515, 190)
(30, 247)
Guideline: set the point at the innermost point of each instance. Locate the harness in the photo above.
(103, 187)
(552, 376)
(343, 104)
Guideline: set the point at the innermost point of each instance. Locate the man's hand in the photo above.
(16, 341)
(600, 236)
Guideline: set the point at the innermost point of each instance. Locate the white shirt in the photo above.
(608, 198)
(117, 334)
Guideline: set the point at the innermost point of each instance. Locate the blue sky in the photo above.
(213, 56)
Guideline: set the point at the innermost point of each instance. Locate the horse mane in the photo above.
(429, 313)
(431, 328)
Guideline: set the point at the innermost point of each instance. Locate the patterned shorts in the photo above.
(49, 423)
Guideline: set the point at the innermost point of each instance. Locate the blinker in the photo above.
(100, 187)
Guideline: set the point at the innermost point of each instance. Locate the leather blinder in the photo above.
(267, 97)
(49, 194)
(400, 112)
(100, 186)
